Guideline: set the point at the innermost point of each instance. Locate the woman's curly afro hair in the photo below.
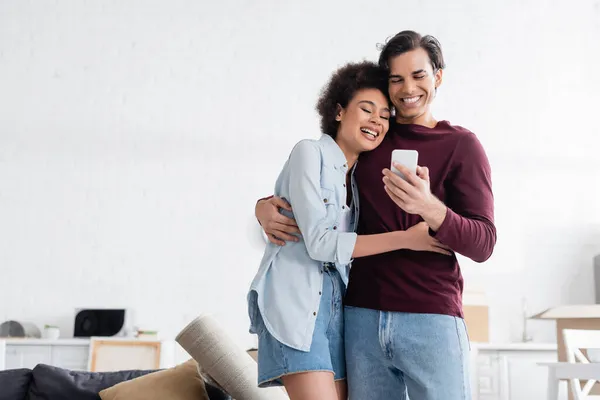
(342, 87)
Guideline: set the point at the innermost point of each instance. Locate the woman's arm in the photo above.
(280, 229)
(329, 245)
(415, 238)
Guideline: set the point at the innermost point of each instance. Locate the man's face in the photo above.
(412, 85)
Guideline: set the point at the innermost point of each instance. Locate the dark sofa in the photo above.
(45, 382)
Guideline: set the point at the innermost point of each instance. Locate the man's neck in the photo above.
(426, 120)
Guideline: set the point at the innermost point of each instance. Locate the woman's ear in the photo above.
(339, 112)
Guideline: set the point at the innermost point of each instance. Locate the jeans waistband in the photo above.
(328, 266)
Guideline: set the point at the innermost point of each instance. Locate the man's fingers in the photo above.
(276, 227)
(399, 201)
(281, 203)
(283, 236)
(396, 180)
(410, 176)
(282, 219)
(396, 183)
(390, 187)
(273, 239)
(423, 173)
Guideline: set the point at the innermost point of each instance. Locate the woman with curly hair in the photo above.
(295, 300)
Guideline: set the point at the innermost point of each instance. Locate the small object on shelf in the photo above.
(102, 322)
(51, 332)
(146, 334)
(19, 330)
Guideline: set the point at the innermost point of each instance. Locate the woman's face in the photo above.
(364, 121)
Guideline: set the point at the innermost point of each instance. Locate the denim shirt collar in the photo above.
(332, 148)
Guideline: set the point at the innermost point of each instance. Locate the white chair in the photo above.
(578, 366)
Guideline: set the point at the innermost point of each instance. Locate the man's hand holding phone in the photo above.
(410, 189)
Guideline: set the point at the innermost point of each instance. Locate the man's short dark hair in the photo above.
(406, 41)
(342, 87)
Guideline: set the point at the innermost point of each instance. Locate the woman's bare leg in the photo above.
(342, 389)
(315, 385)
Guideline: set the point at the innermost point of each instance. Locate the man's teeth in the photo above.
(411, 99)
(369, 132)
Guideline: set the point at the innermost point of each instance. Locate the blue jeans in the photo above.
(395, 355)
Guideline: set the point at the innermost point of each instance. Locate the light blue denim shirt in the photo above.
(286, 289)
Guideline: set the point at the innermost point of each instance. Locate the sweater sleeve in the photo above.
(469, 226)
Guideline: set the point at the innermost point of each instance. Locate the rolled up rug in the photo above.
(227, 364)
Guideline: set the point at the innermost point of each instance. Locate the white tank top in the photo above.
(346, 218)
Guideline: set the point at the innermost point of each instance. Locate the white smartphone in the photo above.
(406, 158)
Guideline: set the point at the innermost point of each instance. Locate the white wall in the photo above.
(135, 137)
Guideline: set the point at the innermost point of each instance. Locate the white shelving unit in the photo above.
(510, 371)
(64, 353)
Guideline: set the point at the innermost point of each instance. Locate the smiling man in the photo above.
(404, 327)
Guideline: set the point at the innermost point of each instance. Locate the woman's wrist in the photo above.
(402, 240)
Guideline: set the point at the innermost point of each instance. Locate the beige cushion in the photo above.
(179, 383)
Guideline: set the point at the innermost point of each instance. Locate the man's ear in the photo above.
(439, 77)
